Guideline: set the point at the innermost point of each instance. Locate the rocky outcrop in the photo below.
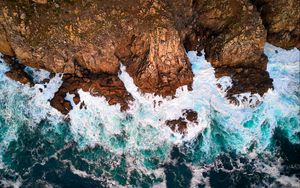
(232, 32)
(157, 62)
(109, 86)
(17, 72)
(88, 38)
(72, 37)
(232, 35)
(245, 80)
(180, 125)
(282, 21)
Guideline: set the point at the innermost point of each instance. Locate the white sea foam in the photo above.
(11, 184)
(143, 126)
(38, 75)
(25, 105)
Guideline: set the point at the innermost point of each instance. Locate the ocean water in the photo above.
(230, 146)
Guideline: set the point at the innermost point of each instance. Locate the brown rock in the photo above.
(245, 80)
(234, 38)
(216, 15)
(17, 72)
(92, 37)
(282, 20)
(158, 62)
(5, 47)
(109, 86)
(84, 35)
(241, 41)
(180, 124)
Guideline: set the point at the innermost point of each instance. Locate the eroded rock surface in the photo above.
(74, 36)
(180, 125)
(282, 20)
(158, 63)
(150, 37)
(232, 33)
(17, 72)
(245, 80)
(109, 86)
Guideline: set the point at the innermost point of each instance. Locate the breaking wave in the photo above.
(102, 147)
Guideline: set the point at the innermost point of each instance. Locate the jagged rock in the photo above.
(17, 72)
(158, 63)
(72, 37)
(233, 35)
(244, 80)
(282, 20)
(109, 86)
(236, 35)
(149, 37)
(180, 125)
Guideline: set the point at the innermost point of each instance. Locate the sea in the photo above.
(255, 143)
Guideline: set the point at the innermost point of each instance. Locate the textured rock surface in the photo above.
(158, 63)
(282, 20)
(87, 38)
(109, 86)
(74, 36)
(17, 71)
(232, 32)
(245, 80)
(180, 125)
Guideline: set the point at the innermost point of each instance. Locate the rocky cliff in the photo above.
(88, 40)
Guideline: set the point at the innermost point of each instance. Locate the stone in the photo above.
(17, 72)
(87, 38)
(246, 80)
(111, 87)
(180, 125)
(281, 19)
(237, 36)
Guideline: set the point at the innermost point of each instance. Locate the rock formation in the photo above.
(282, 20)
(180, 125)
(236, 35)
(87, 40)
(109, 86)
(17, 71)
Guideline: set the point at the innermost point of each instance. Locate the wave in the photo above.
(102, 145)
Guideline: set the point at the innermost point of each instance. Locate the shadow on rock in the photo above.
(109, 86)
(245, 80)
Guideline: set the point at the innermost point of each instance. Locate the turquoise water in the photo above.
(100, 146)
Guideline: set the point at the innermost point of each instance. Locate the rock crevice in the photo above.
(87, 38)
